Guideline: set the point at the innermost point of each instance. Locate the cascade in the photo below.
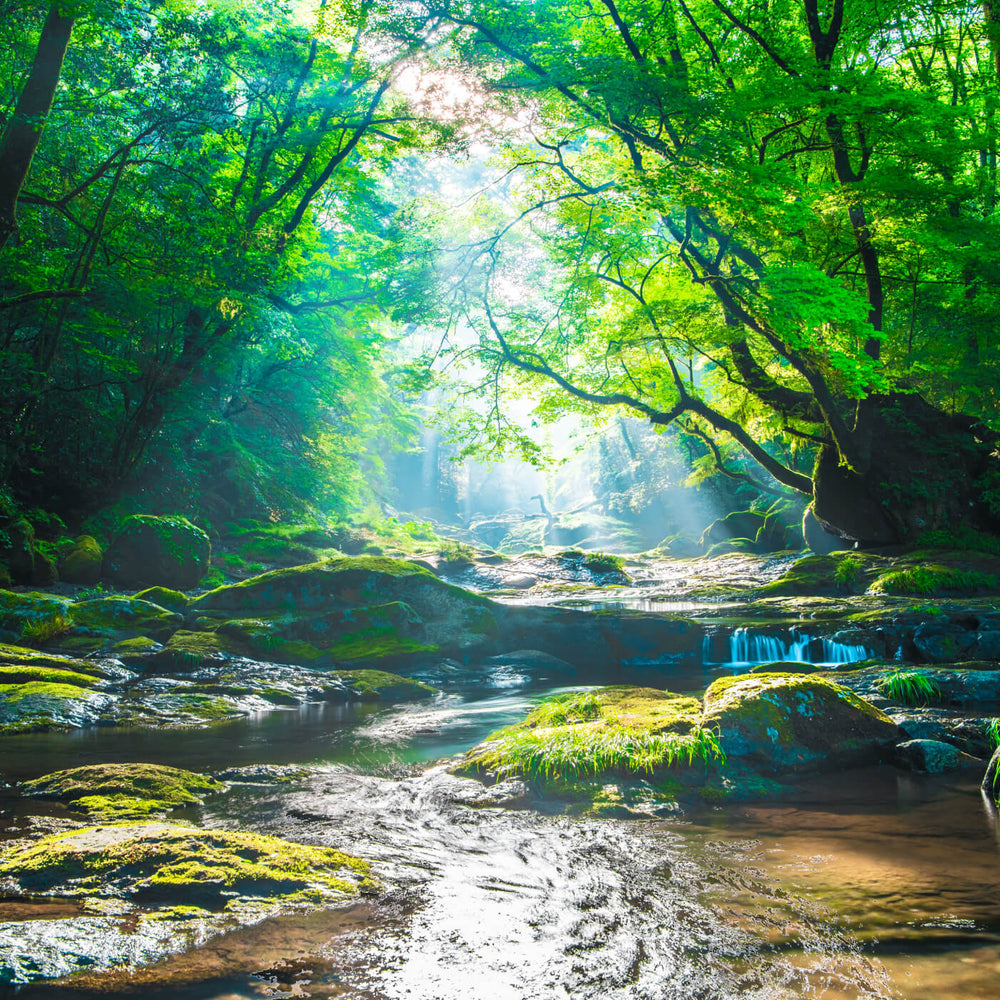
(748, 648)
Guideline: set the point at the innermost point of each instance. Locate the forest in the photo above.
(491, 421)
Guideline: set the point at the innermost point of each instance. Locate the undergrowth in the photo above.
(911, 687)
(589, 750)
(924, 581)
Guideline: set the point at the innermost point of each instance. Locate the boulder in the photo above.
(82, 564)
(114, 615)
(163, 551)
(943, 642)
(932, 756)
(25, 561)
(782, 723)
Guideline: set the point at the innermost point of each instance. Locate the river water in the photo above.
(873, 885)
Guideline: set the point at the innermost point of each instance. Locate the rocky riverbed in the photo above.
(683, 695)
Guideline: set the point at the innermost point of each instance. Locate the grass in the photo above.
(43, 629)
(603, 562)
(993, 732)
(847, 570)
(962, 539)
(911, 687)
(589, 750)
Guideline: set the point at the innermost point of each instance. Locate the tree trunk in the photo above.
(17, 148)
(927, 471)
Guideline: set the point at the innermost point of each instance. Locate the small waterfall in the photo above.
(749, 648)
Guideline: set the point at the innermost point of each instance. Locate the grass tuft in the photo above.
(911, 687)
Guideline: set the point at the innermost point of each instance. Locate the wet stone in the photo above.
(932, 756)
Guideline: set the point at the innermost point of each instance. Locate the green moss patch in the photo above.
(930, 581)
(175, 600)
(377, 685)
(33, 616)
(120, 791)
(187, 651)
(15, 674)
(108, 615)
(167, 863)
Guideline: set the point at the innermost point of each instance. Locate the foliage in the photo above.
(847, 570)
(923, 581)
(993, 732)
(582, 751)
(602, 562)
(911, 687)
(771, 227)
(963, 539)
(195, 303)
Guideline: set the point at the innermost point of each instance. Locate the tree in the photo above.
(217, 244)
(776, 222)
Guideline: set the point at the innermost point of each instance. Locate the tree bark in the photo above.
(17, 148)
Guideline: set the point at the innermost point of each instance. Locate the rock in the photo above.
(187, 651)
(117, 792)
(26, 563)
(163, 551)
(740, 524)
(167, 888)
(113, 615)
(940, 642)
(32, 615)
(164, 597)
(359, 608)
(683, 548)
(82, 564)
(991, 779)
(987, 646)
(932, 756)
(519, 581)
(595, 734)
(790, 722)
(817, 538)
(377, 685)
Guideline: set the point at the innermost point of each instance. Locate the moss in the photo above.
(179, 863)
(928, 581)
(213, 578)
(175, 600)
(18, 674)
(377, 685)
(138, 646)
(376, 644)
(30, 610)
(15, 693)
(106, 615)
(170, 551)
(118, 791)
(82, 562)
(24, 657)
(187, 650)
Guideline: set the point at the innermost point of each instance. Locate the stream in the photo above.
(875, 884)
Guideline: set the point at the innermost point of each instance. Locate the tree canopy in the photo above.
(774, 221)
(773, 225)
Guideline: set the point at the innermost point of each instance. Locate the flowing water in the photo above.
(880, 886)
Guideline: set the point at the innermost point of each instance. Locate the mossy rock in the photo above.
(109, 615)
(159, 862)
(623, 731)
(186, 651)
(83, 562)
(61, 704)
(33, 616)
(123, 791)
(135, 651)
(22, 656)
(174, 600)
(362, 608)
(783, 723)
(25, 561)
(162, 551)
(378, 685)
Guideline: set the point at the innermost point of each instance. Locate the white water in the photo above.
(750, 648)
